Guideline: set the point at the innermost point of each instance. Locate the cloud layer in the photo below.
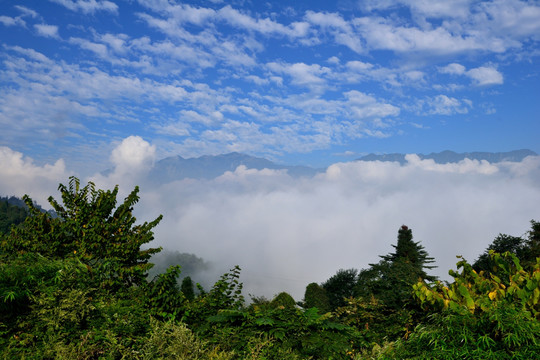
(287, 232)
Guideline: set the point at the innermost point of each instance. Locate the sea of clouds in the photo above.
(286, 232)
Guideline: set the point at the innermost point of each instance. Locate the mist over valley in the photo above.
(286, 229)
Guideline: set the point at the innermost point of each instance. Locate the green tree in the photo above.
(501, 244)
(10, 215)
(532, 246)
(315, 297)
(411, 253)
(340, 287)
(389, 284)
(187, 288)
(525, 249)
(283, 300)
(391, 279)
(91, 227)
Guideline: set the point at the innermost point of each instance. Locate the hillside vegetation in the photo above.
(76, 286)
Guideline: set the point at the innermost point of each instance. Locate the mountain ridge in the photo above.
(211, 166)
(448, 156)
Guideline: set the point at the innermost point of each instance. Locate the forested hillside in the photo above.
(76, 286)
(10, 214)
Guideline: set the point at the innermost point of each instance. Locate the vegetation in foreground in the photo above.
(76, 286)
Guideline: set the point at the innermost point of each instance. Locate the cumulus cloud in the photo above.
(20, 176)
(485, 76)
(454, 69)
(133, 154)
(47, 30)
(481, 76)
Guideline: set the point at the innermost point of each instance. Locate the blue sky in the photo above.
(310, 82)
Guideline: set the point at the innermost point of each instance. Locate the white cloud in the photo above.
(264, 26)
(293, 232)
(311, 76)
(454, 69)
(20, 176)
(481, 76)
(11, 21)
(133, 154)
(47, 30)
(339, 28)
(96, 48)
(509, 18)
(88, 6)
(382, 34)
(443, 105)
(423, 8)
(26, 11)
(365, 106)
(484, 75)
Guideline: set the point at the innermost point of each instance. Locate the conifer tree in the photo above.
(411, 253)
(391, 279)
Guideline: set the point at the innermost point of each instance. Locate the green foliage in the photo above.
(532, 246)
(283, 333)
(88, 226)
(478, 292)
(411, 253)
(163, 297)
(283, 300)
(170, 340)
(75, 287)
(315, 297)
(373, 319)
(526, 250)
(391, 279)
(187, 288)
(340, 287)
(479, 315)
(10, 215)
(389, 284)
(226, 294)
(22, 277)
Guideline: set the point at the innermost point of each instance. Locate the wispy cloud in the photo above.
(11, 21)
(88, 6)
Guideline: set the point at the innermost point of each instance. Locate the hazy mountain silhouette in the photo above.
(448, 156)
(212, 166)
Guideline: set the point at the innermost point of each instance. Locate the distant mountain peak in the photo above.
(211, 166)
(448, 156)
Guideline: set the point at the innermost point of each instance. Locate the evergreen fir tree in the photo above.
(411, 253)
(391, 279)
